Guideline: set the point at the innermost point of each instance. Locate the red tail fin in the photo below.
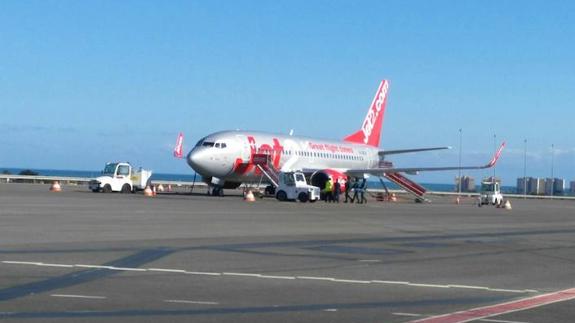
(370, 132)
(178, 149)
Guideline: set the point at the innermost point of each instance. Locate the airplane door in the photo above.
(245, 152)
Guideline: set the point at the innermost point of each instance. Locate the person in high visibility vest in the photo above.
(328, 190)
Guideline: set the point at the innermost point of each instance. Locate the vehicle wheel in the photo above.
(96, 190)
(281, 196)
(126, 189)
(107, 188)
(303, 197)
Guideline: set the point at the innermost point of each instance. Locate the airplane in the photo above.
(226, 159)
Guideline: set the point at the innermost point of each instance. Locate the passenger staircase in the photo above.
(264, 163)
(408, 185)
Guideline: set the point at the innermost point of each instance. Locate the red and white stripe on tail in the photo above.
(178, 149)
(370, 132)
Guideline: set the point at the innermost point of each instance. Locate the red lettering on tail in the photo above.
(370, 132)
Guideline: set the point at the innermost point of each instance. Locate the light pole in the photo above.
(552, 161)
(525, 168)
(460, 146)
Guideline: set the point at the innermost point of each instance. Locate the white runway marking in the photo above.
(181, 301)
(202, 273)
(352, 281)
(93, 266)
(21, 263)
(179, 271)
(315, 278)
(78, 296)
(242, 274)
(128, 269)
(327, 279)
(55, 265)
(330, 310)
(369, 260)
(277, 277)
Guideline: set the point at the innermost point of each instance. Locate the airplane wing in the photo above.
(404, 151)
(415, 170)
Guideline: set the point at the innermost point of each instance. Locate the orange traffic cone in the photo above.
(457, 200)
(393, 197)
(148, 191)
(250, 197)
(55, 187)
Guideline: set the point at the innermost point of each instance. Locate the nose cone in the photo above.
(207, 163)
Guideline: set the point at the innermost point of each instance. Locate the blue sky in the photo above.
(85, 82)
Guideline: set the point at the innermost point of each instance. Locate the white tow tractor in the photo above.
(490, 193)
(293, 186)
(121, 177)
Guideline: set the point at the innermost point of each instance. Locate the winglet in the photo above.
(496, 157)
(178, 149)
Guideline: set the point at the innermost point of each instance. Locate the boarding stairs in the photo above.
(408, 185)
(264, 163)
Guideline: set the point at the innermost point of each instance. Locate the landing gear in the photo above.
(216, 191)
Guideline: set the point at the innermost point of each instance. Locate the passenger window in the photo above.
(224, 145)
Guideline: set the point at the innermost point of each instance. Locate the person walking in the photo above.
(336, 190)
(347, 190)
(362, 189)
(355, 189)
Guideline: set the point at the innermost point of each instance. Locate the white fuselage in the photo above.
(227, 155)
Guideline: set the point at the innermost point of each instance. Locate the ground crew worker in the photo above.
(347, 190)
(328, 190)
(362, 189)
(355, 188)
(336, 190)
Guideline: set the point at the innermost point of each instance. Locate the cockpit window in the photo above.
(224, 145)
(207, 144)
(217, 145)
(200, 142)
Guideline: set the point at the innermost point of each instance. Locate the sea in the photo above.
(374, 183)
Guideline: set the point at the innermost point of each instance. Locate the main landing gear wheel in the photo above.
(217, 191)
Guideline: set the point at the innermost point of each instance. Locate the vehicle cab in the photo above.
(293, 186)
(120, 177)
(490, 193)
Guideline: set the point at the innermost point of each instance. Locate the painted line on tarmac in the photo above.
(183, 301)
(502, 308)
(78, 296)
(253, 275)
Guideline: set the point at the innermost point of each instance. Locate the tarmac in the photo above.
(81, 256)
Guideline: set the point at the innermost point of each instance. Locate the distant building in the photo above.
(467, 184)
(572, 187)
(522, 185)
(535, 186)
(554, 186)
